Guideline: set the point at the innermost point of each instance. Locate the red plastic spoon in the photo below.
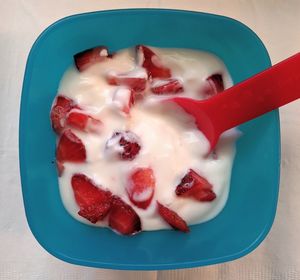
(245, 101)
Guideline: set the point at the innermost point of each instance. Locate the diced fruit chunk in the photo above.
(150, 61)
(214, 85)
(62, 105)
(70, 148)
(85, 59)
(94, 203)
(123, 98)
(83, 122)
(125, 144)
(141, 186)
(123, 218)
(172, 218)
(168, 86)
(135, 80)
(195, 186)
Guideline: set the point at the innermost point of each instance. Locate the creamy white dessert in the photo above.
(170, 143)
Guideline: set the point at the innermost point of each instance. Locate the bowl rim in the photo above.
(99, 264)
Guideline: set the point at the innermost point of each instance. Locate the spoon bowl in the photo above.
(260, 94)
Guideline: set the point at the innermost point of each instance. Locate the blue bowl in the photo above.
(250, 210)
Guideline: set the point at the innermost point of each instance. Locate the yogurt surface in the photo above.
(171, 144)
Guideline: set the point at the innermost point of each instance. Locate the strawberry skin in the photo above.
(195, 186)
(169, 86)
(83, 122)
(77, 120)
(128, 143)
(122, 217)
(130, 80)
(70, 148)
(150, 61)
(214, 85)
(94, 202)
(141, 187)
(130, 146)
(172, 218)
(85, 59)
(62, 105)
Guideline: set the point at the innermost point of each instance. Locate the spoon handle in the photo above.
(258, 95)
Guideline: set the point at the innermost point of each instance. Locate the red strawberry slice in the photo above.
(214, 85)
(169, 86)
(195, 186)
(70, 148)
(62, 105)
(135, 80)
(172, 218)
(125, 144)
(123, 218)
(150, 61)
(85, 59)
(141, 187)
(94, 202)
(83, 122)
(123, 98)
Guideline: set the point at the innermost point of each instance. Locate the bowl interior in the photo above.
(249, 212)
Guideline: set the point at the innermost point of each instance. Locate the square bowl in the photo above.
(247, 216)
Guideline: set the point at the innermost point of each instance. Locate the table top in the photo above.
(276, 22)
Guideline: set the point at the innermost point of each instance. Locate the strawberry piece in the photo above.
(60, 168)
(96, 212)
(194, 185)
(94, 202)
(135, 80)
(123, 218)
(141, 187)
(150, 61)
(60, 108)
(70, 148)
(77, 120)
(123, 98)
(172, 218)
(83, 122)
(169, 86)
(214, 85)
(85, 59)
(125, 144)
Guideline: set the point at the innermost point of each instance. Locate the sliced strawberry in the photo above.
(150, 61)
(135, 80)
(70, 148)
(62, 105)
(96, 212)
(125, 144)
(85, 59)
(123, 218)
(83, 122)
(141, 186)
(168, 86)
(123, 98)
(172, 218)
(60, 168)
(214, 85)
(77, 120)
(94, 202)
(195, 186)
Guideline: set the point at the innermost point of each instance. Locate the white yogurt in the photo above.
(171, 143)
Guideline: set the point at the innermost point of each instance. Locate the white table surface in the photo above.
(277, 22)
